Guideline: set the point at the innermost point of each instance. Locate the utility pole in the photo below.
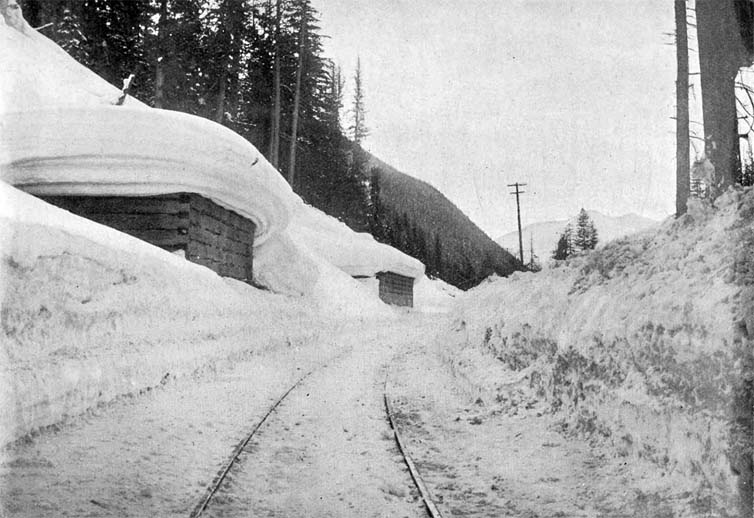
(518, 211)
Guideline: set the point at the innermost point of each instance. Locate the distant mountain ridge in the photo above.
(463, 242)
(546, 234)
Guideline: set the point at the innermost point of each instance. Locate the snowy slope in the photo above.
(547, 233)
(38, 73)
(641, 345)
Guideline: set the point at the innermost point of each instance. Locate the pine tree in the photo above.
(68, 34)
(564, 248)
(586, 234)
(358, 130)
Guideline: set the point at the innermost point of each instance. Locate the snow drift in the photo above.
(88, 314)
(644, 345)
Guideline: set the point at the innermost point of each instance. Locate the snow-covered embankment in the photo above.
(643, 346)
(89, 314)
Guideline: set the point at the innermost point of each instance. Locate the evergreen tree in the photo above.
(564, 248)
(358, 130)
(68, 34)
(333, 97)
(586, 234)
(115, 31)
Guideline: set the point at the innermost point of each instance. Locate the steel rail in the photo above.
(220, 477)
(426, 496)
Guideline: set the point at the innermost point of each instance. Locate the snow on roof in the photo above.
(357, 254)
(62, 134)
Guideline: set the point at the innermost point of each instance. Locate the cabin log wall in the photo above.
(208, 234)
(396, 289)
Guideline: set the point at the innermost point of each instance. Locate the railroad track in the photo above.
(218, 480)
(426, 496)
(238, 450)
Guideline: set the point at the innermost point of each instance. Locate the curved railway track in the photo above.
(218, 480)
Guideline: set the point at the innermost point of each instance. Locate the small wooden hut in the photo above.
(396, 289)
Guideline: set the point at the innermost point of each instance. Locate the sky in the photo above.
(572, 97)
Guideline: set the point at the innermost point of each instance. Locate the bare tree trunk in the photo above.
(220, 107)
(297, 101)
(275, 126)
(229, 61)
(159, 66)
(682, 181)
(720, 55)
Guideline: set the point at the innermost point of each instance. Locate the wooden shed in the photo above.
(396, 289)
(188, 223)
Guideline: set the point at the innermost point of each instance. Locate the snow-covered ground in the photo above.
(641, 348)
(325, 452)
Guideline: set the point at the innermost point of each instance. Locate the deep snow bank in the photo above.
(645, 345)
(88, 314)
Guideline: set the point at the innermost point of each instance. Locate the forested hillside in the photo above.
(431, 228)
(258, 67)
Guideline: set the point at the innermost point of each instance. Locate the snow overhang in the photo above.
(116, 150)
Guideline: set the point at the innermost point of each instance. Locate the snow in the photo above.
(90, 314)
(38, 73)
(357, 254)
(635, 346)
(434, 295)
(115, 150)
